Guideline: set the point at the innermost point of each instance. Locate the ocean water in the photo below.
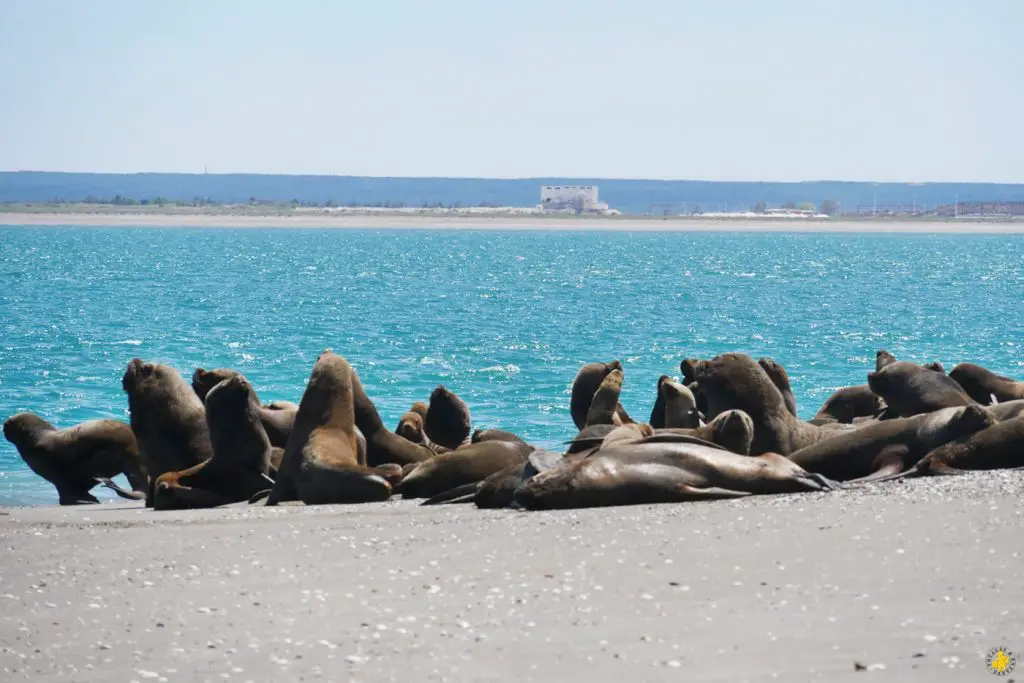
(505, 319)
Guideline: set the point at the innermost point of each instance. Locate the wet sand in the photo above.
(915, 581)
(500, 222)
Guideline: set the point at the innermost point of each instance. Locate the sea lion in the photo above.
(447, 422)
(849, 403)
(481, 435)
(241, 460)
(496, 490)
(983, 385)
(321, 462)
(585, 385)
(734, 381)
(657, 420)
(884, 358)
(680, 405)
(277, 417)
(382, 445)
(643, 473)
(605, 401)
(1008, 410)
(1000, 446)
(168, 419)
(467, 465)
(688, 366)
(891, 446)
(780, 378)
(410, 425)
(909, 389)
(732, 430)
(73, 459)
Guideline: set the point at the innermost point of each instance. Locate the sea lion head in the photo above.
(420, 408)
(138, 374)
(936, 366)
(883, 358)
(410, 427)
(733, 430)
(688, 367)
(25, 428)
(972, 418)
(553, 488)
(234, 390)
(735, 381)
(203, 380)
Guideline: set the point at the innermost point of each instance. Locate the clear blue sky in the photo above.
(893, 90)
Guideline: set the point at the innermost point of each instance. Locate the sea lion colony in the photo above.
(728, 429)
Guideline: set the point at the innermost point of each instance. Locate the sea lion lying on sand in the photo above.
(983, 385)
(467, 465)
(659, 472)
(849, 403)
(891, 446)
(76, 459)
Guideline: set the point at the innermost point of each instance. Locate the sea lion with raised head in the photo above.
(277, 417)
(603, 406)
(680, 406)
(585, 385)
(688, 368)
(733, 381)
(321, 462)
(849, 403)
(240, 466)
(780, 378)
(660, 472)
(447, 422)
(891, 446)
(77, 458)
(909, 389)
(466, 465)
(383, 446)
(657, 419)
(983, 385)
(410, 425)
(167, 418)
(732, 430)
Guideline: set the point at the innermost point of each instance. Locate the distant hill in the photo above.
(628, 196)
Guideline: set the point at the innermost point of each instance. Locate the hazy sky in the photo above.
(900, 90)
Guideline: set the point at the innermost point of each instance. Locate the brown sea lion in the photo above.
(603, 406)
(733, 381)
(277, 417)
(1008, 410)
(467, 465)
(585, 385)
(382, 445)
(891, 446)
(780, 378)
(983, 385)
(680, 405)
(688, 367)
(496, 490)
(658, 472)
(480, 435)
(73, 459)
(657, 420)
(321, 462)
(410, 425)
(849, 403)
(168, 419)
(732, 430)
(447, 422)
(241, 460)
(909, 389)
(1000, 446)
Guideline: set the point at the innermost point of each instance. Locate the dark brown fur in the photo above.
(909, 389)
(448, 421)
(780, 378)
(585, 385)
(981, 384)
(849, 403)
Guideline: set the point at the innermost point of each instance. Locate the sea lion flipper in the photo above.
(687, 493)
(459, 494)
(124, 493)
(259, 496)
(671, 437)
(540, 461)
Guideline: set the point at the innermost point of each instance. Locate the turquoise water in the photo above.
(503, 318)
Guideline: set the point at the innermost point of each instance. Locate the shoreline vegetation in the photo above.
(475, 218)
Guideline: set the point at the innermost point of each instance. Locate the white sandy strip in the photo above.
(503, 223)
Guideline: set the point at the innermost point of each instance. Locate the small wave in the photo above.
(129, 342)
(509, 369)
(234, 345)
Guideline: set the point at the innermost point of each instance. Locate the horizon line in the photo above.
(918, 183)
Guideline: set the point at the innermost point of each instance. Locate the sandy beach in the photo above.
(912, 581)
(502, 222)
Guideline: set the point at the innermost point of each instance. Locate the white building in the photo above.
(578, 198)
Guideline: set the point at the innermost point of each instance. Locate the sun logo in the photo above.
(1000, 661)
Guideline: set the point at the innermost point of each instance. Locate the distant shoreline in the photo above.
(380, 220)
